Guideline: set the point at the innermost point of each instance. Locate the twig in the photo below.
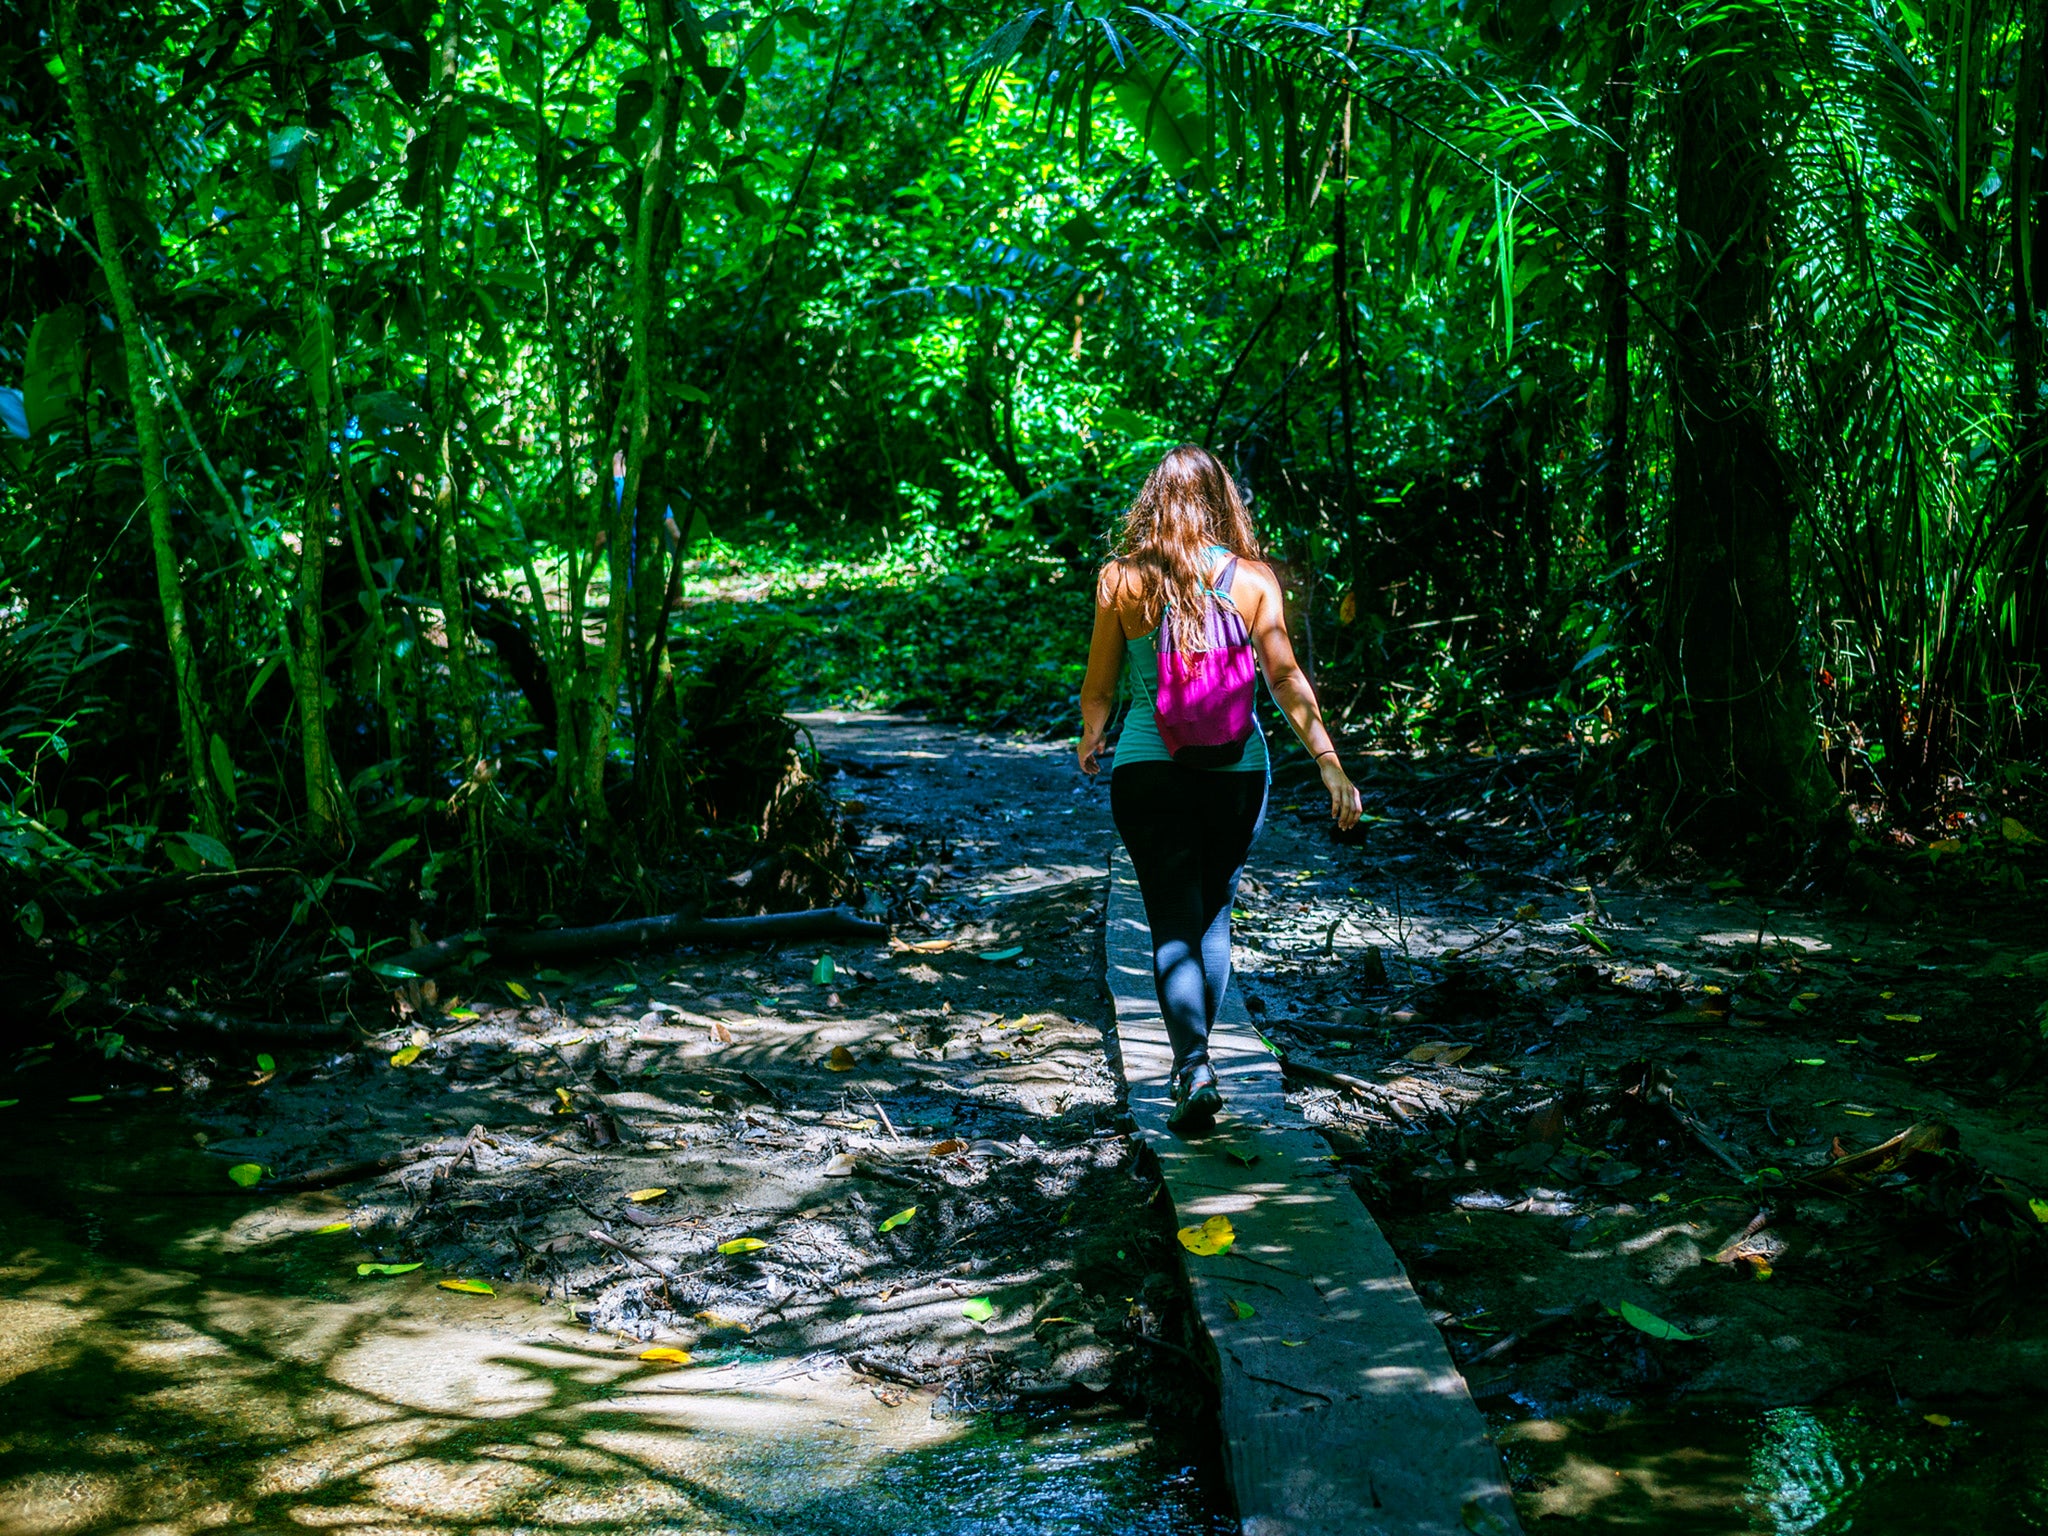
(630, 1256)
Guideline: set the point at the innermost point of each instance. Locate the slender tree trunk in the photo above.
(1619, 119)
(1347, 339)
(187, 684)
(326, 810)
(2029, 261)
(1740, 754)
(441, 395)
(647, 456)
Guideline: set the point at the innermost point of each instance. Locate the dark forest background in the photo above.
(1655, 390)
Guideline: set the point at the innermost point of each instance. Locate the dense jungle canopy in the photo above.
(440, 442)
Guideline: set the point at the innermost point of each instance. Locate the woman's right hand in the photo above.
(1345, 804)
(1089, 750)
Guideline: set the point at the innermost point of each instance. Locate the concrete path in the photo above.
(1341, 1410)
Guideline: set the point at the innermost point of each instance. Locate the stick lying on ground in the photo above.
(634, 933)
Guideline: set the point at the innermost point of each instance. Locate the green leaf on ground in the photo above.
(897, 1220)
(266, 1063)
(1241, 1309)
(364, 1271)
(1002, 954)
(1648, 1322)
(248, 1175)
(742, 1245)
(979, 1310)
(824, 971)
(469, 1287)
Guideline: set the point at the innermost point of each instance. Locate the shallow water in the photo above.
(176, 1357)
(1872, 1470)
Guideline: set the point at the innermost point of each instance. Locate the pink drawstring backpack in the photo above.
(1204, 702)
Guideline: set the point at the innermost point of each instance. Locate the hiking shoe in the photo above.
(1196, 1098)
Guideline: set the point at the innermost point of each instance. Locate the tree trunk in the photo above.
(647, 456)
(1619, 119)
(441, 396)
(2029, 261)
(326, 810)
(1740, 755)
(187, 688)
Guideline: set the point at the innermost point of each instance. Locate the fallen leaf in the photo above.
(406, 1057)
(948, 1147)
(1002, 954)
(897, 1220)
(564, 1106)
(1239, 1155)
(1929, 1056)
(979, 1310)
(1211, 1237)
(720, 1033)
(246, 1174)
(518, 991)
(667, 1355)
(1591, 937)
(714, 1321)
(640, 1195)
(265, 1064)
(823, 972)
(844, 1165)
(330, 1228)
(469, 1287)
(2040, 1210)
(742, 1245)
(1809, 1061)
(1443, 1053)
(1241, 1309)
(2015, 832)
(87, 1098)
(841, 1060)
(364, 1271)
(931, 946)
(1648, 1322)
(1294, 1343)
(1528, 910)
(1938, 1420)
(420, 1037)
(1483, 1522)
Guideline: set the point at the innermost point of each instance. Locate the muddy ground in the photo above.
(1608, 1123)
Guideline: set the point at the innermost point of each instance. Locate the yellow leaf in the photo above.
(1938, 1420)
(1809, 997)
(1929, 1056)
(563, 1107)
(518, 991)
(1764, 1271)
(670, 1356)
(841, 1060)
(742, 1245)
(1211, 1237)
(2014, 832)
(331, 1227)
(469, 1287)
(2040, 1210)
(713, 1320)
(406, 1057)
(639, 1196)
(897, 1220)
(1945, 845)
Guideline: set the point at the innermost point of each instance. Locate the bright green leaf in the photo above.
(979, 1310)
(248, 1175)
(897, 1220)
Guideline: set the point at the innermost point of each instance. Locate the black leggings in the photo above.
(1188, 831)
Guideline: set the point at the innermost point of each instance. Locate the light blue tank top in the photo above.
(1140, 741)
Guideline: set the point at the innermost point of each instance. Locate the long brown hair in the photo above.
(1187, 505)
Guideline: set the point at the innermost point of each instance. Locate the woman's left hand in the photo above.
(1345, 804)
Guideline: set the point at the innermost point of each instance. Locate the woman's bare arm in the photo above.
(1289, 685)
(1105, 670)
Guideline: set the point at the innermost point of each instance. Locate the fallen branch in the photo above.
(630, 1256)
(1379, 1093)
(237, 1027)
(636, 933)
(868, 1365)
(159, 892)
(332, 1174)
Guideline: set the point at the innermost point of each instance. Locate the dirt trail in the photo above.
(869, 1192)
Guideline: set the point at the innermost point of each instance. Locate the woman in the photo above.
(1188, 791)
